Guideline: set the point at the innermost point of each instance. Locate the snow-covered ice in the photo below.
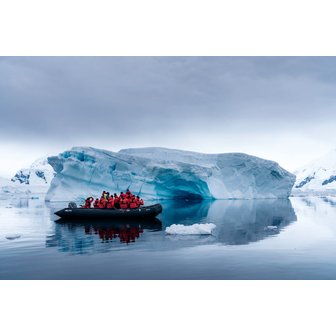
(317, 177)
(40, 173)
(159, 173)
(195, 229)
(33, 180)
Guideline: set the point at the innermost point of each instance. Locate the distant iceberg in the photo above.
(159, 173)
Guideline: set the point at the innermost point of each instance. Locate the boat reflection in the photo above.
(80, 237)
(127, 234)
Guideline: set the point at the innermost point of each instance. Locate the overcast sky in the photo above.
(278, 108)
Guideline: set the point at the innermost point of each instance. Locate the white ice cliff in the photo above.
(159, 173)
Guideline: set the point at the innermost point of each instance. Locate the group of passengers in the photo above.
(108, 201)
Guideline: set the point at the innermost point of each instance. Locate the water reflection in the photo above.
(237, 222)
(87, 237)
(127, 234)
(243, 222)
(329, 200)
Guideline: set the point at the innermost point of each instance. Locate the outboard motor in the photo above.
(72, 205)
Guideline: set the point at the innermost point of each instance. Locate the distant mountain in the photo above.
(40, 173)
(317, 177)
(35, 179)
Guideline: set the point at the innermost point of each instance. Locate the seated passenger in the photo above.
(129, 195)
(110, 203)
(124, 203)
(88, 202)
(116, 201)
(139, 201)
(133, 203)
(102, 203)
(96, 203)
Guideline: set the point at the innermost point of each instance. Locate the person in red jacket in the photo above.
(139, 201)
(133, 203)
(110, 203)
(88, 202)
(124, 203)
(116, 201)
(102, 203)
(96, 203)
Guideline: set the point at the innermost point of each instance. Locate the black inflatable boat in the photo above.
(72, 212)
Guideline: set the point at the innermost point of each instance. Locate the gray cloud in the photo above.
(200, 103)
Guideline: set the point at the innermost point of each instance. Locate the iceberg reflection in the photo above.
(237, 221)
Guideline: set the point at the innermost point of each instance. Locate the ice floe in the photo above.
(195, 229)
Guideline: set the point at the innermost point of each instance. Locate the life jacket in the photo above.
(133, 204)
(88, 202)
(117, 202)
(139, 201)
(96, 203)
(102, 203)
(110, 203)
(124, 203)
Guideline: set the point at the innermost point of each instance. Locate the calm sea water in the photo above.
(261, 239)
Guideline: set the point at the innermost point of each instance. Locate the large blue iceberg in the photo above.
(160, 173)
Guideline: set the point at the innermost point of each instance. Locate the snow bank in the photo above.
(195, 229)
(159, 173)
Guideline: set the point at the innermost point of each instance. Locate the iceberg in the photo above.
(160, 173)
(194, 229)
